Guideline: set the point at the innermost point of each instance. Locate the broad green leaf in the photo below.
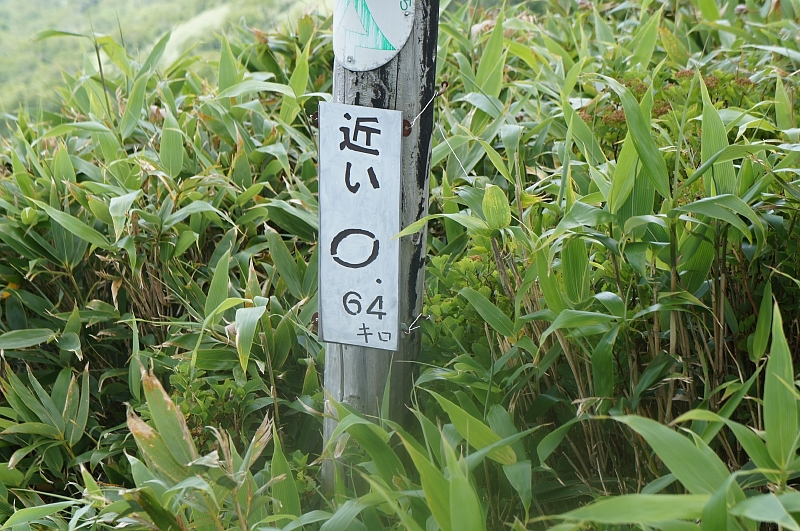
(290, 107)
(490, 313)
(714, 139)
(579, 215)
(675, 49)
(283, 489)
(469, 222)
(761, 335)
(32, 514)
(603, 365)
(550, 442)
(247, 320)
(639, 127)
(75, 226)
(465, 508)
(17, 339)
(645, 41)
(63, 171)
(63, 129)
(490, 68)
(475, 432)
(169, 420)
(496, 209)
(134, 106)
(766, 508)
(575, 269)
(172, 151)
(287, 268)
(780, 404)
(497, 161)
(252, 86)
(641, 509)
(118, 209)
(228, 67)
(151, 63)
(33, 428)
(155, 451)
(701, 472)
(577, 319)
(218, 291)
(784, 117)
(195, 207)
(435, 486)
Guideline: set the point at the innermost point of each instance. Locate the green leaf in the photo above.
(247, 320)
(714, 138)
(496, 209)
(465, 507)
(218, 291)
(31, 514)
(252, 86)
(766, 508)
(550, 442)
(780, 404)
(577, 319)
(469, 222)
(17, 339)
(639, 127)
(118, 209)
(284, 489)
(497, 161)
(169, 420)
(490, 68)
(645, 41)
(228, 67)
(63, 171)
(475, 432)
(33, 428)
(155, 451)
(75, 226)
(699, 470)
(761, 335)
(641, 509)
(195, 207)
(133, 108)
(286, 265)
(603, 364)
(490, 313)
(435, 486)
(290, 107)
(172, 151)
(63, 129)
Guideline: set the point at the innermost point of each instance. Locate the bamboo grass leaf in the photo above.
(475, 432)
(169, 421)
(780, 404)
(284, 490)
(247, 320)
(75, 226)
(639, 127)
(490, 313)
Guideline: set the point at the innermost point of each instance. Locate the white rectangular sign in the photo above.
(360, 178)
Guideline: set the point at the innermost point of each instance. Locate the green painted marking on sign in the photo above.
(374, 38)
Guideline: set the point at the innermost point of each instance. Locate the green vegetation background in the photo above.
(30, 68)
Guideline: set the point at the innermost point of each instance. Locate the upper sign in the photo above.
(367, 34)
(360, 173)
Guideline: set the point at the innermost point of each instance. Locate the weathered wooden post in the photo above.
(357, 375)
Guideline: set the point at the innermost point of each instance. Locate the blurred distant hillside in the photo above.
(29, 69)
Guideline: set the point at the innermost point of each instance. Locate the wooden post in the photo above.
(354, 375)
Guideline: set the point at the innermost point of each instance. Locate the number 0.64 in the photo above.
(352, 304)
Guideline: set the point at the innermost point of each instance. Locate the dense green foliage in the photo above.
(30, 66)
(612, 285)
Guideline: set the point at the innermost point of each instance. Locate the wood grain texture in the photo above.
(357, 376)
